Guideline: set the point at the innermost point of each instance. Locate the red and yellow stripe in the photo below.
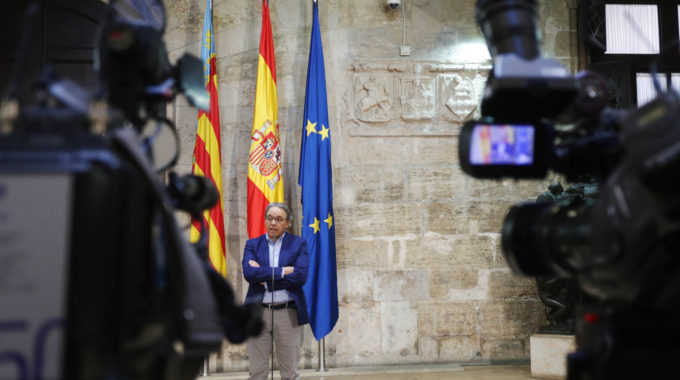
(264, 184)
(208, 162)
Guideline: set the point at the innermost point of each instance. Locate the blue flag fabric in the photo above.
(315, 179)
(208, 47)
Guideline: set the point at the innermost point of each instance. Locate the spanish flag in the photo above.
(207, 160)
(265, 182)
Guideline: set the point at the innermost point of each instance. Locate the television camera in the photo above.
(96, 278)
(621, 247)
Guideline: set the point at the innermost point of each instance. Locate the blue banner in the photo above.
(315, 179)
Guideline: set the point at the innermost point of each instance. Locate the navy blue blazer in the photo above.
(293, 253)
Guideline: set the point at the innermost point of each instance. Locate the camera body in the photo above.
(103, 300)
(620, 248)
(102, 282)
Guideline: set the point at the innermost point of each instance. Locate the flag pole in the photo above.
(322, 356)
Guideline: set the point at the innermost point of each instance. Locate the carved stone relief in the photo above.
(459, 101)
(373, 100)
(417, 98)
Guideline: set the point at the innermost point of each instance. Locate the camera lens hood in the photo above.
(509, 26)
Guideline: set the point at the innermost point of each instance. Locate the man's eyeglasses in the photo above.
(271, 219)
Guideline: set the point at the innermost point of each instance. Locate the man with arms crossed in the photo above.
(284, 256)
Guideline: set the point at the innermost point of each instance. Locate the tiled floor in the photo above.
(422, 372)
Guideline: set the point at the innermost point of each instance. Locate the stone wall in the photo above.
(421, 276)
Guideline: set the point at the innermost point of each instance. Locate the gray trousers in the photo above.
(287, 341)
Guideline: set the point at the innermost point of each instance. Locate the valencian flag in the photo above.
(265, 184)
(321, 290)
(207, 160)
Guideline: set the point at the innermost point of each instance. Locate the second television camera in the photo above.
(622, 248)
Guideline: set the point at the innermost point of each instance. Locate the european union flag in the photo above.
(315, 179)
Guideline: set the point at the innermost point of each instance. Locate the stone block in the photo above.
(450, 251)
(439, 11)
(436, 151)
(399, 328)
(227, 14)
(460, 277)
(236, 93)
(505, 284)
(484, 189)
(358, 334)
(563, 39)
(235, 186)
(180, 11)
(355, 286)
(428, 348)
(185, 121)
(373, 42)
(380, 220)
(361, 253)
(459, 349)
(354, 14)
(234, 357)
(554, 14)
(238, 39)
(549, 355)
(438, 319)
(435, 183)
(516, 319)
(382, 151)
(506, 350)
(238, 72)
(448, 218)
(400, 285)
(374, 184)
(498, 260)
(309, 355)
(459, 218)
(186, 37)
(344, 195)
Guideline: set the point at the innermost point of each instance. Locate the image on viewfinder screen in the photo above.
(507, 144)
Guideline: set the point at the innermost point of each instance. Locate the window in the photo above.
(621, 40)
(632, 29)
(645, 86)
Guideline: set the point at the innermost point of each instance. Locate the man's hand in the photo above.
(288, 270)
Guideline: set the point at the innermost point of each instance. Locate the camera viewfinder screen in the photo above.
(496, 144)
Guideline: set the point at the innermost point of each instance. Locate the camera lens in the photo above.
(509, 26)
(548, 238)
(518, 239)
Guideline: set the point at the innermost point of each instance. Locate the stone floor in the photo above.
(420, 372)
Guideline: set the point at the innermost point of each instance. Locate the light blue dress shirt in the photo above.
(278, 295)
